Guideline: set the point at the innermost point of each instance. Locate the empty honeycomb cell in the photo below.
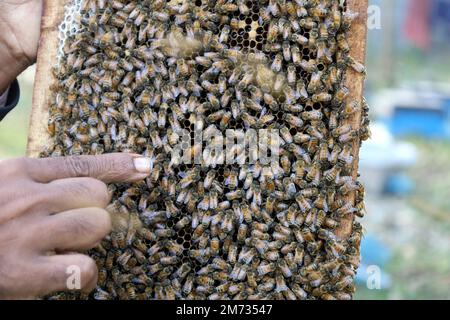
(185, 259)
(293, 131)
(197, 268)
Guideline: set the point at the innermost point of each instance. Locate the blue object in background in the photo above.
(426, 122)
(446, 106)
(374, 253)
(424, 115)
(398, 184)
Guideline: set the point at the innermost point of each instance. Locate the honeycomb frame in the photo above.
(311, 107)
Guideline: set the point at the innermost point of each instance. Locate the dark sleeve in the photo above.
(12, 100)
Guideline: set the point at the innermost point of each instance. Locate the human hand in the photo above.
(49, 210)
(20, 22)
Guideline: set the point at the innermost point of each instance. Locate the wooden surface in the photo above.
(53, 14)
(52, 17)
(355, 83)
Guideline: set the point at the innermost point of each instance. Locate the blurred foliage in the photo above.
(417, 229)
(14, 128)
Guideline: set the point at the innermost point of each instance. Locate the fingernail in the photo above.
(143, 165)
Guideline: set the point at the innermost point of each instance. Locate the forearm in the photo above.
(12, 63)
(7, 78)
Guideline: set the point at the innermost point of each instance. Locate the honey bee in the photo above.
(273, 32)
(296, 55)
(265, 269)
(300, 39)
(351, 108)
(308, 23)
(340, 96)
(293, 120)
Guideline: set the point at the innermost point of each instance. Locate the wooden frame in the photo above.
(354, 81)
(53, 14)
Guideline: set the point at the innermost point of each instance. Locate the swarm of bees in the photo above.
(137, 72)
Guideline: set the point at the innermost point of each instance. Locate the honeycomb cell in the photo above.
(317, 106)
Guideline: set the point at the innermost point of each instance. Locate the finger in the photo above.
(65, 273)
(75, 230)
(115, 167)
(57, 196)
(75, 193)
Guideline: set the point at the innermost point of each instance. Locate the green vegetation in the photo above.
(417, 229)
(14, 128)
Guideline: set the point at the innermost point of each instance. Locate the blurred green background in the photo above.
(412, 229)
(14, 128)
